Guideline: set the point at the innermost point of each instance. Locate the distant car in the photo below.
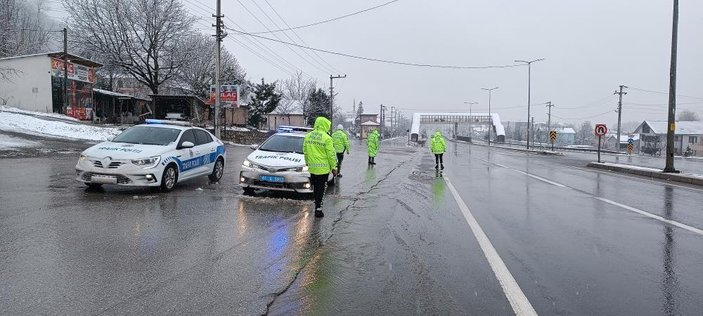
(156, 154)
(278, 164)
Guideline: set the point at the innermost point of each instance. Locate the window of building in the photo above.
(692, 139)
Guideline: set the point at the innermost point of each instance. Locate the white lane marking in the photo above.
(528, 174)
(650, 215)
(521, 305)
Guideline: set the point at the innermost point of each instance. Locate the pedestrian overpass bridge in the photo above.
(457, 125)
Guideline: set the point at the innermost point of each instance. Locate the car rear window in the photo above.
(283, 144)
(148, 135)
(202, 137)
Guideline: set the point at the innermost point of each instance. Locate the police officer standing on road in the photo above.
(320, 158)
(438, 147)
(341, 144)
(372, 143)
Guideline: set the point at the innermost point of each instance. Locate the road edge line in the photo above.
(519, 302)
(652, 216)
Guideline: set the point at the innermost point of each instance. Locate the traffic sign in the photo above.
(552, 136)
(601, 130)
(630, 141)
(630, 147)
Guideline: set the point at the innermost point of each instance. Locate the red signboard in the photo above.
(229, 95)
(601, 130)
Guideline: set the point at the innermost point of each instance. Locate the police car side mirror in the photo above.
(187, 145)
(254, 147)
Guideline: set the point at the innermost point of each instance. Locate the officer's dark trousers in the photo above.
(438, 159)
(318, 187)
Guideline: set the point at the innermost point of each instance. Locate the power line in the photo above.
(328, 20)
(376, 59)
(275, 59)
(300, 38)
(317, 65)
(666, 93)
(585, 117)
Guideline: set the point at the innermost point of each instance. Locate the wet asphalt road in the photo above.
(393, 241)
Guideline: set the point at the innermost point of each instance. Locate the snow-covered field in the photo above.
(25, 122)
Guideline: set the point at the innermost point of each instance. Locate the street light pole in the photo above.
(529, 84)
(470, 118)
(490, 117)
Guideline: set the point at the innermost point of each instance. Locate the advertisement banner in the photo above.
(75, 72)
(229, 96)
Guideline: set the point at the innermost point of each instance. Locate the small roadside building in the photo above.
(565, 136)
(367, 127)
(36, 83)
(119, 108)
(687, 134)
(180, 107)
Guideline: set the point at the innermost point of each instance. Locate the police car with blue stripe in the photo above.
(155, 154)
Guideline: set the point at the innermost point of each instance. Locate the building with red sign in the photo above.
(36, 84)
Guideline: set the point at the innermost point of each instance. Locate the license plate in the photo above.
(103, 179)
(272, 179)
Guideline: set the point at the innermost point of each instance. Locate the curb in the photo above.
(649, 172)
(541, 152)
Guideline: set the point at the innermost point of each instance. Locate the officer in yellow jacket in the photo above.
(340, 140)
(320, 158)
(438, 147)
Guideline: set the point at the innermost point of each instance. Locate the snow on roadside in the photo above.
(26, 124)
(13, 143)
(4, 108)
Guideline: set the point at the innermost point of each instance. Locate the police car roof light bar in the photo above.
(167, 122)
(290, 129)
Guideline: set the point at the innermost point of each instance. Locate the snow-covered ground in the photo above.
(53, 115)
(14, 143)
(27, 122)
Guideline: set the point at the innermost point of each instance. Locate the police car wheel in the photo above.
(217, 171)
(169, 178)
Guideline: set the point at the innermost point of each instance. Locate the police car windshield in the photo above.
(283, 144)
(148, 135)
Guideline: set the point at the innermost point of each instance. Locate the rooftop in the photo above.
(71, 57)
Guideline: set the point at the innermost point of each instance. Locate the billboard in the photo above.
(229, 96)
(75, 72)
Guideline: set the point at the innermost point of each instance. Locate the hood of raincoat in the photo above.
(322, 124)
(437, 134)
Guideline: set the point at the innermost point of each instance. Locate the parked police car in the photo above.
(156, 154)
(278, 164)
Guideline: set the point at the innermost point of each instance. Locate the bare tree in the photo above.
(687, 115)
(296, 88)
(198, 73)
(148, 39)
(25, 28)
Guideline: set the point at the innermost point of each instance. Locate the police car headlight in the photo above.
(302, 169)
(147, 162)
(247, 163)
(82, 157)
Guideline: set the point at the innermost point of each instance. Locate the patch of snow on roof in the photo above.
(54, 115)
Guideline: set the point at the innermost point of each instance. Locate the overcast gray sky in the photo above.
(590, 47)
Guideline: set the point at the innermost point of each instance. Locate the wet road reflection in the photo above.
(670, 286)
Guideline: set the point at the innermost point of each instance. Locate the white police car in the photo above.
(278, 164)
(156, 154)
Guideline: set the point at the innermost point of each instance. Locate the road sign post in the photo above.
(630, 145)
(600, 131)
(552, 138)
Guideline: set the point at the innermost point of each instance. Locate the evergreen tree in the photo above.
(318, 105)
(266, 100)
(357, 118)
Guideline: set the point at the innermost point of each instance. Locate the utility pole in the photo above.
(490, 117)
(381, 120)
(219, 35)
(332, 95)
(65, 71)
(619, 114)
(549, 116)
(671, 127)
(529, 85)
